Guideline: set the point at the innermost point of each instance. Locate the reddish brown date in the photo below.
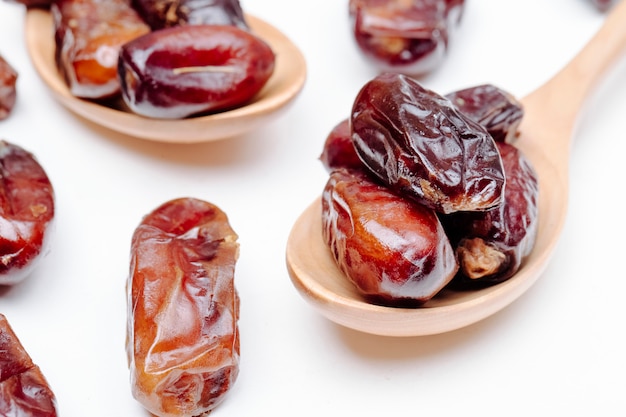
(160, 14)
(26, 213)
(421, 146)
(189, 70)
(393, 250)
(88, 37)
(491, 246)
(338, 150)
(495, 109)
(407, 36)
(183, 309)
(24, 391)
(8, 91)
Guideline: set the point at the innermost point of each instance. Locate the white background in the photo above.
(558, 350)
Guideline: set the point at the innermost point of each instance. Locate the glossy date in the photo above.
(338, 150)
(421, 146)
(160, 14)
(188, 70)
(88, 36)
(495, 109)
(394, 251)
(183, 308)
(26, 213)
(8, 91)
(406, 36)
(24, 391)
(492, 245)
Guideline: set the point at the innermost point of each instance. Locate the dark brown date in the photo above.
(26, 213)
(24, 391)
(338, 150)
(407, 36)
(8, 92)
(160, 14)
(492, 245)
(183, 71)
(421, 146)
(88, 37)
(394, 251)
(182, 336)
(495, 109)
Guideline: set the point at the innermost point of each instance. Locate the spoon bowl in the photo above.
(281, 89)
(551, 113)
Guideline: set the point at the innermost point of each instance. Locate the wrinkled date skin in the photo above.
(338, 150)
(24, 391)
(160, 14)
(183, 308)
(26, 213)
(394, 251)
(406, 36)
(492, 245)
(182, 71)
(423, 147)
(88, 37)
(495, 109)
(8, 92)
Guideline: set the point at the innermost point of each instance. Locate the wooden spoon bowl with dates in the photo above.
(551, 112)
(280, 90)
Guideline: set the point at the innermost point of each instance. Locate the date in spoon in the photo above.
(551, 113)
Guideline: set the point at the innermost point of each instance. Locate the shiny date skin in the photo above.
(338, 150)
(88, 36)
(422, 147)
(405, 36)
(183, 71)
(24, 391)
(160, 14)
(495, 109)
(394, 251)
(8, 91)
(492, 245)
(183, 308)
(27, 209)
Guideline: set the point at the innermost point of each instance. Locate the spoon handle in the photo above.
(557, 103)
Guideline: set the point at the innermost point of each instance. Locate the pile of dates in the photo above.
(427, 192)
(167, 59)
(406, 36)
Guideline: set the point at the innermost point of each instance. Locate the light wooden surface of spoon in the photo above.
(281, 89)
(551, 114)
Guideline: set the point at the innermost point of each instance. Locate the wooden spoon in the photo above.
(281, 89)
(550, 117)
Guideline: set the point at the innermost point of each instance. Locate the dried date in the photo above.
(492, 245)
(24, 391)
(407, 36)
(421, 146)
(160, 14)
(183, 308)
(495, 109)
(189, 70)
(8, 92)
(88, 36)
(26, 213)
(603, 5)
(338, 150)
(394, 251)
